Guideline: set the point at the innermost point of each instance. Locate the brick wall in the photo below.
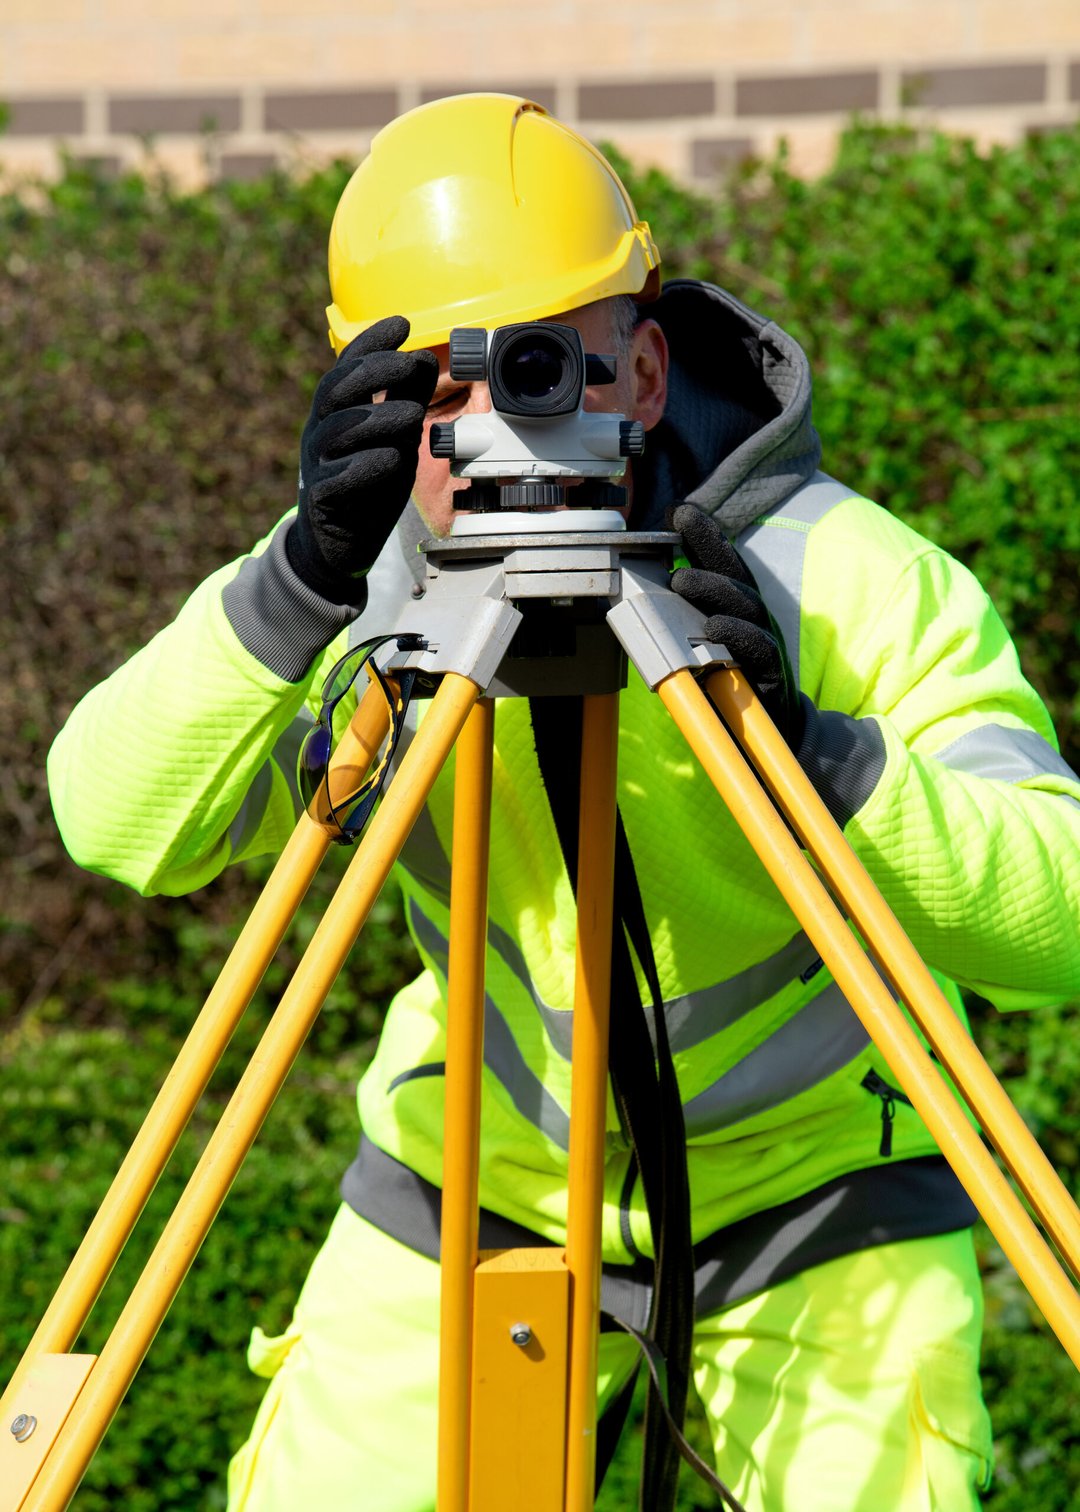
(230, 86)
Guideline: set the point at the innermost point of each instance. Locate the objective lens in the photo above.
(536, 369)
(533, 369)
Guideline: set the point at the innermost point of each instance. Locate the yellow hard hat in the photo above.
(480, 210)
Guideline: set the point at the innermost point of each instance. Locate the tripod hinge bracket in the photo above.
(660, 632)
(463, 633)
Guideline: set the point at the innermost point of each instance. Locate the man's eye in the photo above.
(448, 401)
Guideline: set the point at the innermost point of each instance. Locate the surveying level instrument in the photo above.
(519, 1328)
(537, 447)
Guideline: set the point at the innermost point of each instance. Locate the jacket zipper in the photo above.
(890, 1096)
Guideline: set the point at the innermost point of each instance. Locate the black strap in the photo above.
(646, 1095)
(650, 1352)
(674, 1322)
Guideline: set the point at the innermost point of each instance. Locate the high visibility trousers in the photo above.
(850, 1388)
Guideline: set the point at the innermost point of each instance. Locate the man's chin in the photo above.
(439, 518)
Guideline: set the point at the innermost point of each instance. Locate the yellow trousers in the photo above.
(851, 1388)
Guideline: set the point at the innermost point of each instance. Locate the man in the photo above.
(836, 1342)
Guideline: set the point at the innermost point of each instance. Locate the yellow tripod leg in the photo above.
(884, 1019)
(194, 1213)
(864, 905)
(532, 1370)
(551, 1367)
(464, 1059)
(588, 1087)
(191, 1071)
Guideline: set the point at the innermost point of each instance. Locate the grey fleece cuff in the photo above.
(277, 617)
(843, 757)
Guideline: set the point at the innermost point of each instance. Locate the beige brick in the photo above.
(508, 12)
(720, 44)
(873, 33)
(1046, 24)
(986, 127)
(300, 154)
(26, 160)
(333, 10)
(162, 14)
(184, 161)
(249, 56)
(43, 13)
(591, 48)
(387, 53)
(77, 60)
(464, 51)
(652, 149)
(812, 149)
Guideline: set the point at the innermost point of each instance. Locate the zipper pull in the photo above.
(880, 1088)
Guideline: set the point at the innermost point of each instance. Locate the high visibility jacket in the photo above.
(923, 736)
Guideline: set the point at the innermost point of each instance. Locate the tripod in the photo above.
(519, 1328)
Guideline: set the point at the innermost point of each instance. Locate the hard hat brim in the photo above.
(634, 269)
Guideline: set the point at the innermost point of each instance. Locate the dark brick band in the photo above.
(330, 110)
(105, 165)
(977, 84)
(653, 101)
(45, 115)
(246, 165)
(711, 155)
(941, 86)
(1049, 128)
(542, 94)
(174, 115)
(806, 94)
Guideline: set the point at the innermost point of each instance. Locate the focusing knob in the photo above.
(441, 440)
(468, 354)
(631, 438)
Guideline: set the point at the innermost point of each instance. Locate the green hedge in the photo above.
(935, 291)
(160, 349)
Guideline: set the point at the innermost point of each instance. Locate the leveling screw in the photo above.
(521, 1334)
(23, 1426)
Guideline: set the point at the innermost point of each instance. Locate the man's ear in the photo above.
(648, 373)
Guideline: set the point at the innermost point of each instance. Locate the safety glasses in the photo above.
(346, 816)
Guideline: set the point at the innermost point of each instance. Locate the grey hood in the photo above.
(736, 436)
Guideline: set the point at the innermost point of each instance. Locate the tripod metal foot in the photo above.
(191, 1071)
(520, 1344)
(48, 1390)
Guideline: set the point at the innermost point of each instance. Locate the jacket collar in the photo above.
(736, 437)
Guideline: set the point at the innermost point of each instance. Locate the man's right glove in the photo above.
(358, 459)
(720, 584)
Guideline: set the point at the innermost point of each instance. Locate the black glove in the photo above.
(720, 584)
(358, 459)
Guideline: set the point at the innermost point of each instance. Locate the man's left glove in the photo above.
(720, 584)
(358, 459)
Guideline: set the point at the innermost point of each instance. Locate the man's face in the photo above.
(638, 392)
